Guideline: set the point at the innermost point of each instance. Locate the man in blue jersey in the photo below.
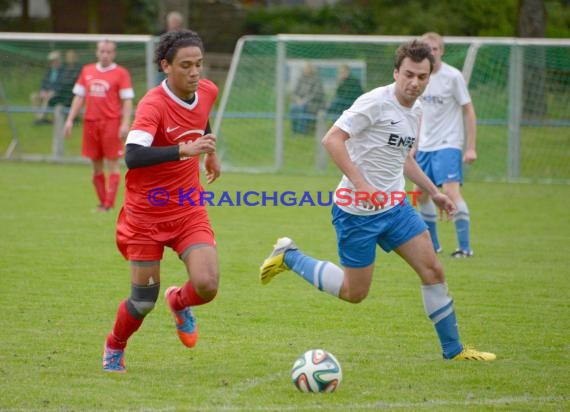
(370, 144)
(446, 105)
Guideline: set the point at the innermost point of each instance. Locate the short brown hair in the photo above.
(417, 51)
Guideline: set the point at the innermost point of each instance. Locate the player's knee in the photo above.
(433, 273)
(209, 295)
(142, 300)
(355, 296)
(141, 308)
(208, 288)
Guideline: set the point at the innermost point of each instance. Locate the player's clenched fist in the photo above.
(204, 144)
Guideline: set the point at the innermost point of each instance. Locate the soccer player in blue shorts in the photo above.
(370, 143)
(446, 103)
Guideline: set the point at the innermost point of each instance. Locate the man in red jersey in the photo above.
(162, 198)
(106, 90)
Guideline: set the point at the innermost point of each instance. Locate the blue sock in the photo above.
(461, 220)
(428, 213)
(448, 334)
(439, 307)
(325, 276)
(432, 228)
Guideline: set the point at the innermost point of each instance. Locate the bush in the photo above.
(405, 17)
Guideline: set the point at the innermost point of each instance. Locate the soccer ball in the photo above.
(316, 371)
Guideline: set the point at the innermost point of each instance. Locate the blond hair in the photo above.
(431, 35)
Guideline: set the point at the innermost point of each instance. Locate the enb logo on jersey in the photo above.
(432, 99)
(98, 88)
(399, 141)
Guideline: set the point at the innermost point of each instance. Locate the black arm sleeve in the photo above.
(142, 156)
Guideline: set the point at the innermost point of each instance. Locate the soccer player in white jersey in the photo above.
(446, 103)
(370, 144)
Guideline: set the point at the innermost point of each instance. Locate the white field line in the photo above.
(430, 404)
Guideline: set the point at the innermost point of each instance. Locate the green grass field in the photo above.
(61, 278)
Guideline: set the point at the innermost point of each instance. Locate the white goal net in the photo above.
(520, 89)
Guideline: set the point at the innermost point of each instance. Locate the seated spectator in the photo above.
(48, 86)
(348, 89)
(308, 99)
(68, 74)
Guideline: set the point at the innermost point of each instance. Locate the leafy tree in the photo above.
(141, 16)
(6, 4)
(407, 17)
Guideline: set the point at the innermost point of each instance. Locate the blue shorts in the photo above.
(357, 236)
(442, 166)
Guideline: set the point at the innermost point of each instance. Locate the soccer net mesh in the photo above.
(25, 59)
(520, 89)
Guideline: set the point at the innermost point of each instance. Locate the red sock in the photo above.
(114, 180)
(187, 296)
(99, 183)
(125, 326)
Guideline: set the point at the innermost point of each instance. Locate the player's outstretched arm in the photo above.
(413, 172)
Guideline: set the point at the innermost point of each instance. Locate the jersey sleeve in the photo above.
(360, 116)
(125, 85)
(80, 87)
(146, 124)
(460, 91)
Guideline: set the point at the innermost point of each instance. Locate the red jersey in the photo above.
(168, 190)
(103, 89)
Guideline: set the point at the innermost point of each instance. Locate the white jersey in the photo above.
(382, 132)
(442, 101)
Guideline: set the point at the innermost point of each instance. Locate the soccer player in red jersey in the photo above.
(106, 90)
(162, 197)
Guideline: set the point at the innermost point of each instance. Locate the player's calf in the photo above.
(129, 318)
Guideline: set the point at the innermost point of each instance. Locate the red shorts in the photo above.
(101, 139)
(146, 241)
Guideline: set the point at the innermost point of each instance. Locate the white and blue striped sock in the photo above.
(439, 308)
(461, 220)
(325, 276)
(428, 212)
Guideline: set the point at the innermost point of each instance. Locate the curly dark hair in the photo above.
(171, 41)
(417, 51)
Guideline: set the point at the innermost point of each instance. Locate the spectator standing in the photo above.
(174, 21)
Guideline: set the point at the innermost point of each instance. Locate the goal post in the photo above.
(523, 119)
